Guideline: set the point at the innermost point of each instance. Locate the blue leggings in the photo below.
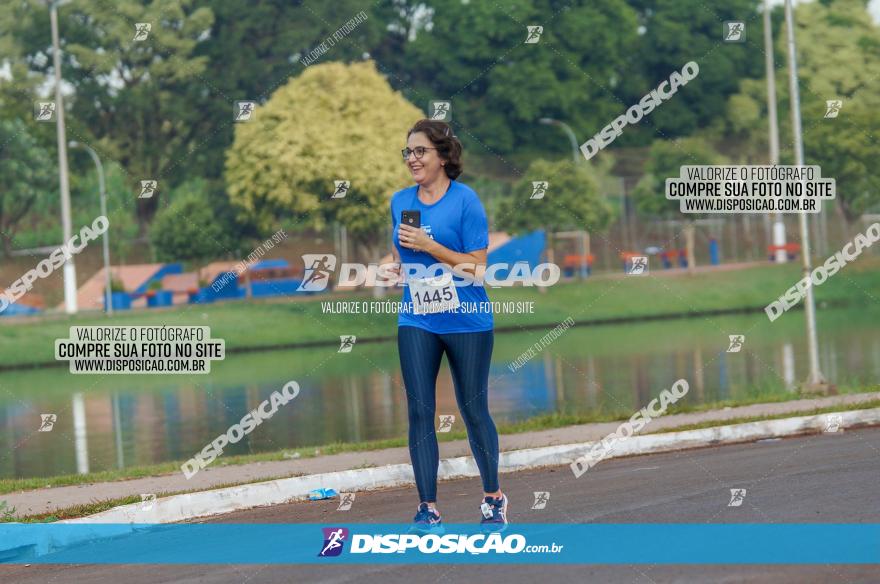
(469, 356)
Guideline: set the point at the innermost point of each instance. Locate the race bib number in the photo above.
(430, 295)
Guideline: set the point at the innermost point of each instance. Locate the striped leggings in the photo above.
(469, 356)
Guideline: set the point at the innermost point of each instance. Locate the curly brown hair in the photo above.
(444, 140)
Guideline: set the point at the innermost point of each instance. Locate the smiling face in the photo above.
(427, 168)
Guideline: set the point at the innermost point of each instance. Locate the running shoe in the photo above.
(494, 512)
(426, 521)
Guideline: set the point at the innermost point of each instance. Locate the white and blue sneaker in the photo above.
(427, 521)
(494, 512)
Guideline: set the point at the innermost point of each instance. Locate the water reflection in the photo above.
(113, 423)
(79, 434)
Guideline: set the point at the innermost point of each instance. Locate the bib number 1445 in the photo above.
(431, 295)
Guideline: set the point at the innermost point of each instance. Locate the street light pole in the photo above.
(70, 302)
(575, 153)
(568, 132)
(778, 224)
(815, 378)
(103, 194)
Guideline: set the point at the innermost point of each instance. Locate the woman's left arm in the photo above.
(418, 240)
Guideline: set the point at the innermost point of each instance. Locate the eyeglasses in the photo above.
(419, 151)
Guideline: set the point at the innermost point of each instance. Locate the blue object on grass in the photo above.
(161, 298)
(18, 310)
(120, 301)
(318, 494)
(714, 252)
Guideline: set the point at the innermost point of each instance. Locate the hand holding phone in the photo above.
(413, 218)
(410, 232)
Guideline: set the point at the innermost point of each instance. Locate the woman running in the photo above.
(442, 221)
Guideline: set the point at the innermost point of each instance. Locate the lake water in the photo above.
(116, 421)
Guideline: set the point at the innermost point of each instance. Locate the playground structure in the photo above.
(169, 285)
(161, 285)
(582, 261)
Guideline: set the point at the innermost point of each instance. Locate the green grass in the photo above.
(268, 324)
(152, 470)
(536, 423)
(76, 511)
(874, 403)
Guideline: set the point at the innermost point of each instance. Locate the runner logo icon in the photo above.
(334, 541)
(318, 268)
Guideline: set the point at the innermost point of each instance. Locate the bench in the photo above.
(791, 250)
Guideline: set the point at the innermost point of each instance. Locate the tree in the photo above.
(500, 87)
(665, 160)
(17, 96)
(838, 59)
(190, 228)
(334, 122)
(27, 174)
(838, 52)
(678, 31)
(257, 46)
(847, 150)
(127, 93)
(85, 199)
(571, 200)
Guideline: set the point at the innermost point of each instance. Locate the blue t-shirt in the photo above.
(458, 222)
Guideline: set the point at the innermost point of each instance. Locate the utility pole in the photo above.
(70, 303)
(815, 379)
(778, 224)
(575, 153)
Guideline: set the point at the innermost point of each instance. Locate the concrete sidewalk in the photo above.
(49, 499)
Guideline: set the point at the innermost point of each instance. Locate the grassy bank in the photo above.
(260, 325)
(538, 423)
(541, 422)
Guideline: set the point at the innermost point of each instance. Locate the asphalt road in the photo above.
(819, 478)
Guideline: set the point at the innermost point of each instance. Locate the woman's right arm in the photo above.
(395, 257)
(396, 268)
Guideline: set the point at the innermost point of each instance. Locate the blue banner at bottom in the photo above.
(364, 543)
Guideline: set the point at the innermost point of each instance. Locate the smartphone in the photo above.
(411, 218)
